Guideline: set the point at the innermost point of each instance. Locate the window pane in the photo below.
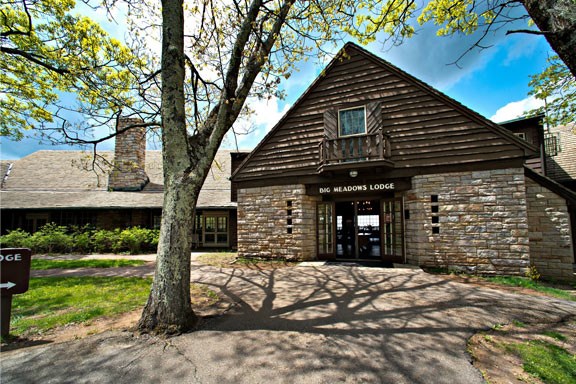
(222, 224)
(209, 238)
(352, 122)
(222, 238)
(210, 224)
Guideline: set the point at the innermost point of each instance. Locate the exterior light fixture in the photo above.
(353, 173)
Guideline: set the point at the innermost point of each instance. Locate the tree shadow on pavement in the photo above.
(371, 324)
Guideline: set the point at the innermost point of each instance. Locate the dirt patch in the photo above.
(231, 260)
(500, 366)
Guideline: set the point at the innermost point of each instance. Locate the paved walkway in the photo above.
(146, 270)
(307, 324)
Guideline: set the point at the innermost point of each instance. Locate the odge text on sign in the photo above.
(14, 270)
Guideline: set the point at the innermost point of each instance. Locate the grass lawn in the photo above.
(549, 362)
(529, 353)
(53, 302)
(38, 264)
(523, 282)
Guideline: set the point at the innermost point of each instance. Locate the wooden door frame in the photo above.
(393, 258)
(326, 256)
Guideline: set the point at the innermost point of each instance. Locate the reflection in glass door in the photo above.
(325, 230)
(392, 231)
(362, 229)
(358, 229)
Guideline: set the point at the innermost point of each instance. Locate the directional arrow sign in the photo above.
(7, 285)
(14, 270)
(14, 279)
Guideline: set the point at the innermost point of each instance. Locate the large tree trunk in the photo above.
(168, 309)
(557, 19)
(187, 160)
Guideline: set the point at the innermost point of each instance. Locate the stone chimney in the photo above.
(129, 173)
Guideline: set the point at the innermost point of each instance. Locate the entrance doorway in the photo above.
(361, 230)
(358, 230)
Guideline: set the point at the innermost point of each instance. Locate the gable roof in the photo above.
(357, 76)
(62, 179)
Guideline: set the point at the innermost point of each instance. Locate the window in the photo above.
(552, 145)
(521, 135)
(289, 217)
(435, 218)
(215, 229)
(352, 121)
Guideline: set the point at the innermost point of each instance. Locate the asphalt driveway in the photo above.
(307, 324)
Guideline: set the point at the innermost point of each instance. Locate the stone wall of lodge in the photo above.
(277, 221)
(550, 234)
(475, 221)
(486, 222)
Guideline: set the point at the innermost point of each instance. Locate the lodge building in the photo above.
(372, 164)
(117, 189)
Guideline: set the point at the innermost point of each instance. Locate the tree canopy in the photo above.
(46, 51)
(556, 87)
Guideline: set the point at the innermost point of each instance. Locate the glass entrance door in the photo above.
(392, 231)
(361, 229)
(325, 230)
(358, 233)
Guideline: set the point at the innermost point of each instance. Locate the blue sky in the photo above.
(493, 82)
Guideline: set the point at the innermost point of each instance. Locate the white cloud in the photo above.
(267, 113)
(516, 109)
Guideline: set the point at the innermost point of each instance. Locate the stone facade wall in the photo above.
(550, 233)
(482, 223)
(129, 158)
(263, 222)
(560, 165)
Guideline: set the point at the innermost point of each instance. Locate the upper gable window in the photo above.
(521, 135)
(352, 121)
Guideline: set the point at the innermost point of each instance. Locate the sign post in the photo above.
(14, 279)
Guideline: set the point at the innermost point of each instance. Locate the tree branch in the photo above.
(34, 59)
(529, 31)
(97, 141)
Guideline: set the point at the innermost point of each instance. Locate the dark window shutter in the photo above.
(331, 124)
(373, 117)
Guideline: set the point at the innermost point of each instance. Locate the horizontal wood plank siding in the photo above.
(424, 129)
(535, 165)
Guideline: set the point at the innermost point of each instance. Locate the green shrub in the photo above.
(59, 239)
(82, 238)
(17, 238)
(51, 238)
(153, 238)
(532, 273)
(105, 241)
(136, 239)
(82, 242)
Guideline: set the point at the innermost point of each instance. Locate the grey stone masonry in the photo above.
(478, 224)
(277, 222)
(128, 173)
(560, 164)
(550, 237)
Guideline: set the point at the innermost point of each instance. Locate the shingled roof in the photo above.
(62, 179)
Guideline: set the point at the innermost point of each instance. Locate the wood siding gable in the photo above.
(427, 129)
